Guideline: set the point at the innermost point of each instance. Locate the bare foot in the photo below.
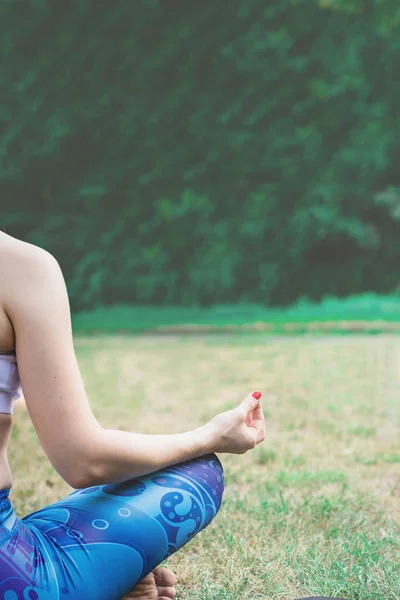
(157, 585)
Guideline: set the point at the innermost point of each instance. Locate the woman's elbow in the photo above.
(78, 481)
(83, 466)
(82, 474)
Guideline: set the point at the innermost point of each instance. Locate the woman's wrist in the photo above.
(204, 439)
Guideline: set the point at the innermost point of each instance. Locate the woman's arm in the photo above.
(34, 296)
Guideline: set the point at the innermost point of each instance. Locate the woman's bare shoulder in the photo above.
(22, 265)
(21, 253)
(12, 247)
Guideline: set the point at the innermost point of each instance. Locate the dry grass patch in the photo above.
(315, 510)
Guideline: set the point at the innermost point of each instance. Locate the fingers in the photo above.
(252, 412)
(257, 418)
(250, 403)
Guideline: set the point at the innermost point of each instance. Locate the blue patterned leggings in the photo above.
(98, 542)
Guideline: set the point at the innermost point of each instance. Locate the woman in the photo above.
(138, 498)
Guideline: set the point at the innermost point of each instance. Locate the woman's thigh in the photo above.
(98, 542)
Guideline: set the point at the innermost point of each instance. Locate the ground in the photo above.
(314, 510)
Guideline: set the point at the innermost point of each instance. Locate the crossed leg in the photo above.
(101, 542)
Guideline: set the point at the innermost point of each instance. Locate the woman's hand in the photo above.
(238, 430)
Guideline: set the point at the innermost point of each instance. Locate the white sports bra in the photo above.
(10, 385)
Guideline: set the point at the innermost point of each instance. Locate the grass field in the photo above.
(368, 313)
(314, 510)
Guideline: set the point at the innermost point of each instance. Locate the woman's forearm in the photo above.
(122, 455)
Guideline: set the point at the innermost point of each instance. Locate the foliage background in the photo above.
(197, 153)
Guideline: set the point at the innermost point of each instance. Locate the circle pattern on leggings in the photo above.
(100, 524)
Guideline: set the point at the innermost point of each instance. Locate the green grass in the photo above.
(314, 510)
(368, 313)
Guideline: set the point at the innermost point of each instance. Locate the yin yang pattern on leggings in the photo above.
(203, 485)
(70, 547)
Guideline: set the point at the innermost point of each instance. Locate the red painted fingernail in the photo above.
(257, 395)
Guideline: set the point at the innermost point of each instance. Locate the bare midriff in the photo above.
(7, 344)
(6, 480)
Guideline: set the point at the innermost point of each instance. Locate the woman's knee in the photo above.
(215, 477)
(192, 497)
(189, 489)
(203, 478)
